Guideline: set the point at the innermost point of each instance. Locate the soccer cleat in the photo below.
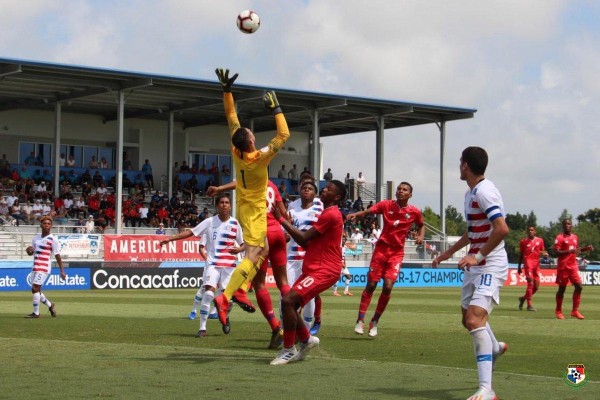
(577, 314)
(276, 339)
(227, 327)
(192, 315)
(521, 302)
(33, 315)
(314, 330)
(285, 356)
(531, 308)
(244, 303)
(347, 293)
(483, 394)
(373, 328)
(503, 347)
(311, 343)
(201, 333)
(559, 314)
(213, 316)
(222, 306)
(360, 327)
(52, 310)
(336, 294)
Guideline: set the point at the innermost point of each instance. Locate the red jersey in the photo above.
(530, 251)
(273, 197)
(566, 242)
(396, 221)
(325, 251)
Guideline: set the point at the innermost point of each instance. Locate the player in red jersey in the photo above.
(531, 248)
(320, 270)
(567, 270)
(398, 217)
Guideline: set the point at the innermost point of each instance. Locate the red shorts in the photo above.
(385, 263)
(277, 249)
(566, 275)
(532, 272)
(310, 284)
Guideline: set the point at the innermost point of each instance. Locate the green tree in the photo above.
(455, 222)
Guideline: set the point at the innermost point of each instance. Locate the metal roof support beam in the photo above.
(10, 70)
(137, 84)
(442, 128)
(171, 133)
(119, 183)
(57, 123)
(314, 157)
(379, 158)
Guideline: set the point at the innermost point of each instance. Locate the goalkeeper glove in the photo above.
(271, 103)
(224, 79)
(519, 270)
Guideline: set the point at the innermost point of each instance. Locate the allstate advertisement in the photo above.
(19, 279)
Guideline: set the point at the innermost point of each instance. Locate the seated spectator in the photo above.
(185, 168)
(93, 163)
(93, 204)
(194, 169)
(31, 159)
(204, 214)
(47, 208)
(203, 170)
(10, 199)
(126, 182)
(90, 225)
(86, 191)
(28, 213)
(131, 215)
(358, 204)
(209, 182)
(143, 215)
(60, 216)
(71, 178)
(97, 179)
(225, 170)
(101, 190)
(4, 211)
(71, 161)
(283, 189)
(139, 180)
(190, 188)
(161, 229)
(163, 216)
(37, 209)
(62, 161)
(79, 226)
(41, 187)
(85, 178)
(38, 176)
(127, 166)
(156, 198)
(68, 204)
(47, 175)
(24, 174)
(214, 168)
(109, 215)
(103, 163)
(6, 176)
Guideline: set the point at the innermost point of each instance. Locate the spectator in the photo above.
(10, 200)
(293, 176)
(90, 225)
(79, 207)
(47, 208)
(93, 163)
(147, 171)
(103, 163)
(203, 170)
(101, 190)
(42, 187)
(283, 190)
(214, 168)
(24, 174)
(225, 170)
(97, 179)
(204, 214)
(85, 178)
(30, 160)
(282, 174)
(71, 161)
(4, 162)
(37, 210)
(126, 163)
(358, 204)
(4, 211)
(190, 188)
(79, 226)
(357, 236)
(161, 229)
(163, 216)
(28, 213)
(143, 215)
(185, 168)
(328, 175)
(63, 160)
(361, 181)
(305, 172)
(209, 182)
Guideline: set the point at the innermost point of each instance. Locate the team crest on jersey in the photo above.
(407, 215)
(575, 375)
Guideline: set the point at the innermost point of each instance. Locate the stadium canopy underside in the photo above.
(117, 95)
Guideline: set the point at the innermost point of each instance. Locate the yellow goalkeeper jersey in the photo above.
(251, 168)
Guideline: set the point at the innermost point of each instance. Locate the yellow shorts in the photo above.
(254, 223)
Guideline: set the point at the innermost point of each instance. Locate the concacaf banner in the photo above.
(79, 244)
(139, 248)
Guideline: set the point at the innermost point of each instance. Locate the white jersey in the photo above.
(483, 204)
(302, 219)
(220, 238)
(44, 248)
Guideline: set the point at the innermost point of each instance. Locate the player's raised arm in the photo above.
(230, 114)
(283, 133)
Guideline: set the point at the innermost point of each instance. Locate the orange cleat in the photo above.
(222, 306)
(559, 314)
(577, 314)
(336, 294)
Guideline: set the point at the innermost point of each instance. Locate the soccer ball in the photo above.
(248, 21)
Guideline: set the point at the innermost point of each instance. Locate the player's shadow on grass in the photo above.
(210, 358)
(403, 393)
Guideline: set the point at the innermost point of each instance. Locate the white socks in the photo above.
(483, 353)
(207, 300)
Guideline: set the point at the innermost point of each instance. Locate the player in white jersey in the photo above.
(43, 246)
(223, 242)
(485, 266)
(303, 215)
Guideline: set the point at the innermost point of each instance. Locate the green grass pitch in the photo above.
(138, 344)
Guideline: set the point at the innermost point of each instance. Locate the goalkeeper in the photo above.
(252, 176)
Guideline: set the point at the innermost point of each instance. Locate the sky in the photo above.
(530, 68)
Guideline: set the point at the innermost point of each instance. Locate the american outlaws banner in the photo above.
(147, 248)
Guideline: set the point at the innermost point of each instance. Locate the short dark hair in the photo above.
(476, 158)
(239, 139)
(407, 184)
(341, 188)
(219, 197)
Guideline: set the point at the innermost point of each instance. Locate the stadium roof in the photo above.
(194, 102)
